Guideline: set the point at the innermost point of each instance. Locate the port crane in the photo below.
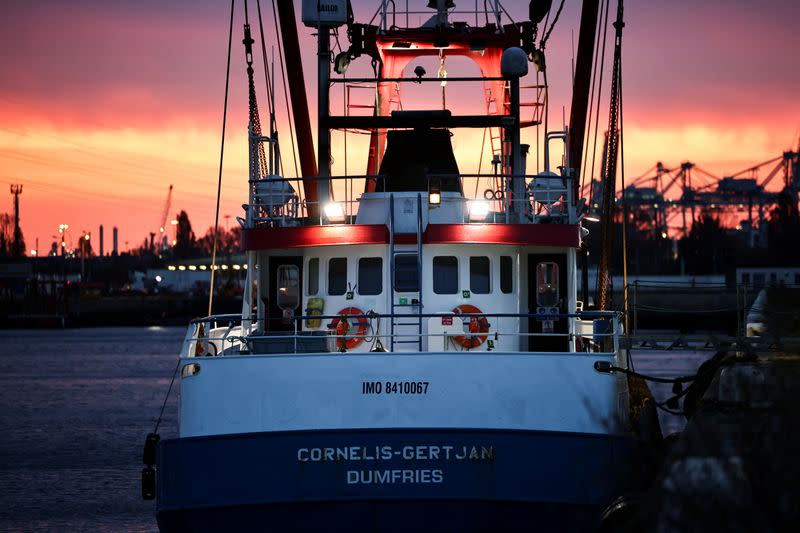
(665, 201)
(162, 228)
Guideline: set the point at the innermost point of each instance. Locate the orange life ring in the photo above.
(342, 327)
(477, 324)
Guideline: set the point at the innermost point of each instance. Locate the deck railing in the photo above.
(399, 13)
(275, 201)
(219, 335)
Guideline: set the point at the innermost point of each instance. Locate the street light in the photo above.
(62, 230)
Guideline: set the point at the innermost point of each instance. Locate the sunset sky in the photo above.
(105, 103)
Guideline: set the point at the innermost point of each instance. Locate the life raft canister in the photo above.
(346, 339)
(477, 324)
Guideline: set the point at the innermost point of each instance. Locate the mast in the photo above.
(297, 93)
(580, 90)
(323, 101)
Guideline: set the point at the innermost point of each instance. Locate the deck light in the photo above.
(334, 212)
(158, 279)
(478, 209)
(435, 195)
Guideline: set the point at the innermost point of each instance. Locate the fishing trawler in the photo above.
(411, 353)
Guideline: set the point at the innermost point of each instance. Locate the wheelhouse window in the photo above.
(480, 275)
(406, 274)
(547, 284)
(313, 276)
(506, 274)
(337, 276)
(445, 274)
(370, 275)
(288, 296)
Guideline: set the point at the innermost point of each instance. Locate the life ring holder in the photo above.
(477, 324)
(341, 325)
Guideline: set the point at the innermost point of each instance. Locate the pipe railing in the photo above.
(274, 201)
(225, 334)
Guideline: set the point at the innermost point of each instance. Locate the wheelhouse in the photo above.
(415, 255)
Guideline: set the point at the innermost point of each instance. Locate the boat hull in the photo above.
(389, 480)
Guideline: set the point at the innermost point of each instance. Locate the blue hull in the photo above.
(389, 480)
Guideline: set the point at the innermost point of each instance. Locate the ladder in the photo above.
(405, 313)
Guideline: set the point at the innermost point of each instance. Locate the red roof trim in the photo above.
(304, 236)
(512, 234)
(515, 234)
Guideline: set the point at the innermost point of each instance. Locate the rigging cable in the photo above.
(622, 183)
(585, 155)
(221, 159)
(546, 36)
(542, 45)
(599, 97)
(254, 118)
(270, 89)
(609, 186)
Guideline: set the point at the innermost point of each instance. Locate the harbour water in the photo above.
(75, 406)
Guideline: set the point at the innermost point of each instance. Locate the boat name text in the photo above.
(391, 476)
(388, 453)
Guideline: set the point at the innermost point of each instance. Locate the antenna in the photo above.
(17, 246)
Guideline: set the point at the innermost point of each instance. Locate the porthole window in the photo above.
(370, 275)
(337, 276)
(480, 275)
(506, 274)
(445, 274)
(313, 276)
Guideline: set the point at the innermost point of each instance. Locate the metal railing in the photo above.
(388, 14)
(275, 201)
(219, 335)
